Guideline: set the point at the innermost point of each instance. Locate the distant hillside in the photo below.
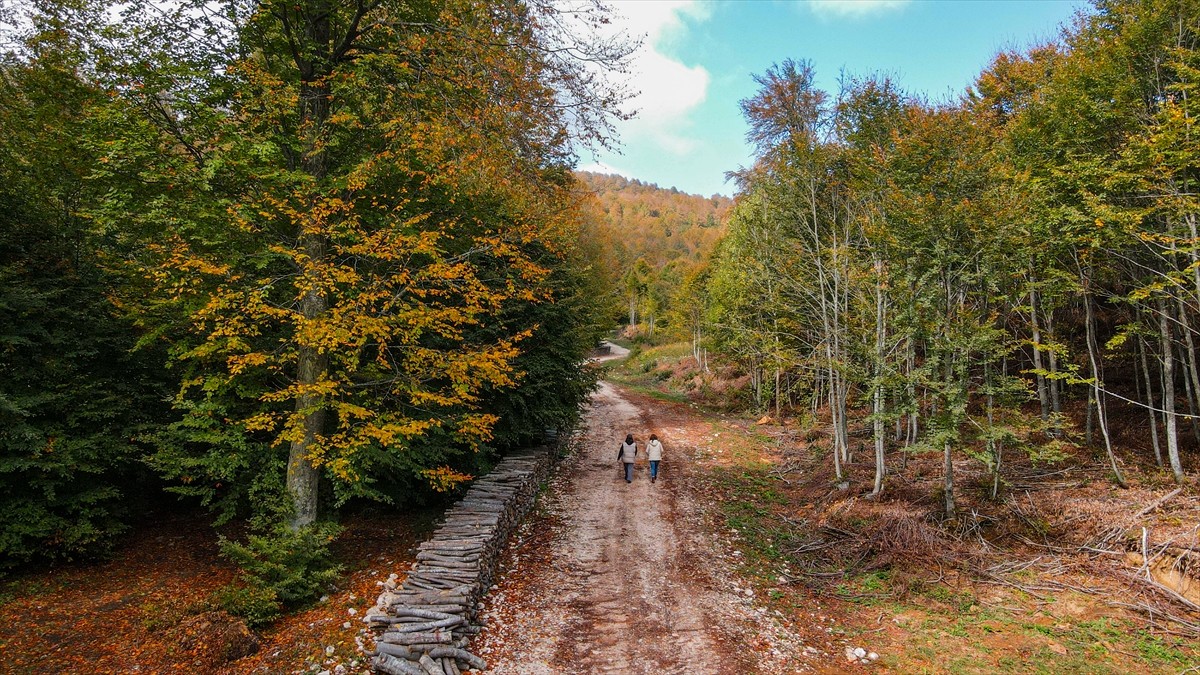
(657, 225)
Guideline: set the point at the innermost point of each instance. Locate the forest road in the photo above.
(616, 577)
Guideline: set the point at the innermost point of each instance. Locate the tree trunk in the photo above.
(1189, 357)
(837, 454)
(303, 477)
(951, 391)
(1055, 397)
(1043, 394)
(995, 448)
(778, 393)
(880, 347)
(1168, 373)
(948, 484)
(1150, 404)
(1101, 413)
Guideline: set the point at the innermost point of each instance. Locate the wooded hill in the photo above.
(655, 241)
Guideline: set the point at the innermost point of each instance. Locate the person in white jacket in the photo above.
(627, 455)
(654, 454)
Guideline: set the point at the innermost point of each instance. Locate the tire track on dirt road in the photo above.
(616, 577)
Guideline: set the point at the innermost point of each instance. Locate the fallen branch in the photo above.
(1157, 503)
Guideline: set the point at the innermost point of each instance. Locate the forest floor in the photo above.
(136, 613)
(746, 556)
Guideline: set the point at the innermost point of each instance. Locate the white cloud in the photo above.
(668, 89)
(602, 167)
(853, 8)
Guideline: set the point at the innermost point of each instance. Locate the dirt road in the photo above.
(611, 577)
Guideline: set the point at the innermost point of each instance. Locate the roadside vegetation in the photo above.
(968, 329)
(1048, 579)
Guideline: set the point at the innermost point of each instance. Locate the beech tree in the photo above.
(346, 205)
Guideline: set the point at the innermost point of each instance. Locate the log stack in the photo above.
(423, 625)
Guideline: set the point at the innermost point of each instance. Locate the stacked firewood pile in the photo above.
(423, 625)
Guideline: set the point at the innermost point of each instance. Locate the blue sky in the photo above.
(698, 57)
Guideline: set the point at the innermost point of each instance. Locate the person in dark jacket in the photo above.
(627, 455)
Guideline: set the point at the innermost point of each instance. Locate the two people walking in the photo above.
(627, 455)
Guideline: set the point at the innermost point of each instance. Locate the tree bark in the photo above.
(1055, 398)
(1150, 403)
(1189, 357)
(948, 483)
(303, 477)
(880, 346)
(1168, 373)
(1043, 394)
(1094, 359)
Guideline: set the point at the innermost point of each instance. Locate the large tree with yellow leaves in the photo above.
(348, 204)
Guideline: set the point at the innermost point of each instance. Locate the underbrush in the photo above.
(1010, 587)
(670, 372)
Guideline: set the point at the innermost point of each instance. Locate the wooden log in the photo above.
(408, 596)
(466, 530)
(422, 614)
(472, 522)
(461, 655)
(446, 580)
(399, 651)
(452, 544)
(481, 504)
(472, 516)
(456, 595)
(458, 553)
(469, 530)
(427, 626)
(416, 583)
(426, 647)
(388, 598)
(447, 561)
(448, 609)
(469, 559)
(430, 666)
(386, 663)
(436, 637)
(464, 573)
(451, 548)
(433, 581)
(448, 599)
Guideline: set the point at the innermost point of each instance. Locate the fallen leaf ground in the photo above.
(123, 616)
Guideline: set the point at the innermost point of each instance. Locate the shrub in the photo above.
(281, 569)
(256, 605)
